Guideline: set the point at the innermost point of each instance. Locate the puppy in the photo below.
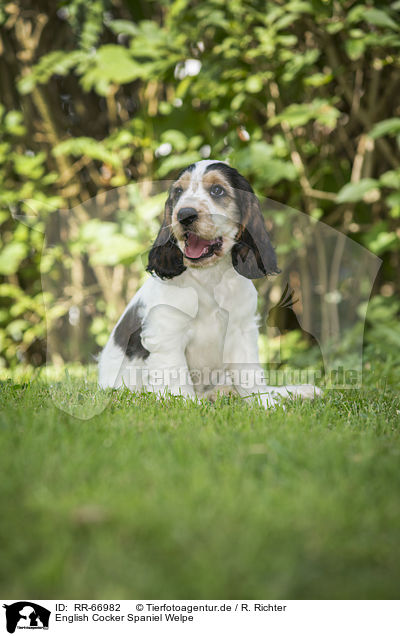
(191, 330)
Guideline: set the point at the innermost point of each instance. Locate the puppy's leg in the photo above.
(112, 366)
(249, 378)
(167, 372)
(166, 331)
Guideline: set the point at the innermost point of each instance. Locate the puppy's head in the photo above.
(211, 211)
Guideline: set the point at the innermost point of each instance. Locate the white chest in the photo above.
(207, 333)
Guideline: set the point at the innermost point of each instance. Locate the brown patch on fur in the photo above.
(216, 178)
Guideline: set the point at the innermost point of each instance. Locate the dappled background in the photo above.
(301, 97)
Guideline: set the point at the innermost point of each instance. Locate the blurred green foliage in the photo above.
(300, 96)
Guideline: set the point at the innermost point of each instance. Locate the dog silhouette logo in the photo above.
(284, 318)
(26, 615)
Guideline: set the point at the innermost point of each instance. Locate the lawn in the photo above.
(167, 499)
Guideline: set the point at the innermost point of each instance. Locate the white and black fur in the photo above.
(195, 319)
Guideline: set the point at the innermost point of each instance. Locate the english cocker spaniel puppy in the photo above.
(191, 330)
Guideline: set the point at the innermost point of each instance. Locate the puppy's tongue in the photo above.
(196, 246)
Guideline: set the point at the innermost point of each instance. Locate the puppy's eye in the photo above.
(178, 191)
(217, 190)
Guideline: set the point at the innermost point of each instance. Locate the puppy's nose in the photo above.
(186, 216)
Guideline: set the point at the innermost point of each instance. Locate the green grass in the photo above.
(169, 499)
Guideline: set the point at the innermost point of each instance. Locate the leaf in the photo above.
(335, 27)
(117, 65)
(176, 138)
(353, 192)
(380, 240)
(176, 162)
(391, 179)
(16, 328)
(87, 146)
(153, 42)
(258, 159)
(112, 64)
(56, 62)
(276, 170)
(298, 62)
(318, 79)
(254, 84)
(355, 48)
(393, 202)
(31, 166)
(125, 27)
(299, 6)
(356, 14)
(13, 122)
(105, 244)
(386, 127)
(117, 249)
(10, 291)
(380, 18)
(300, 114)
(98, 231)
(11, 257)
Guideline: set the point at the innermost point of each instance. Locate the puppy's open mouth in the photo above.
(197, 247)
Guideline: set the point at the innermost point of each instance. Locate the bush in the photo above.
(297, 95)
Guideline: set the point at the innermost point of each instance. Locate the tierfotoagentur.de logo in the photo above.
(26, 615)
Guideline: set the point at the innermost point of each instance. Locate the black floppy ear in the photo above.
(252, 255)
(165, 257)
